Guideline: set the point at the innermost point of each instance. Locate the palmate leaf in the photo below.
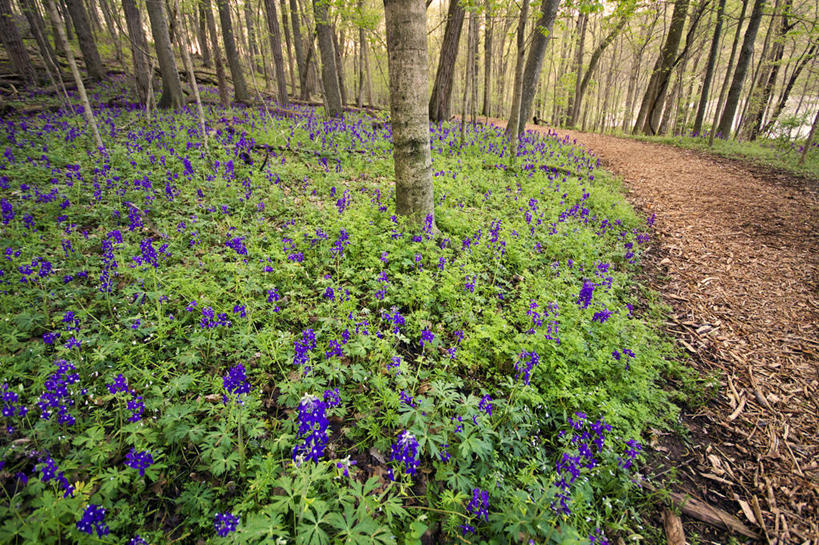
(358, 528)
(264, 526)
(310, 531)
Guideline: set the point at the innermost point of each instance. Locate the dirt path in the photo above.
(738, 252)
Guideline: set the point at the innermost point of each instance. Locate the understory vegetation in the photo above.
(241, 342)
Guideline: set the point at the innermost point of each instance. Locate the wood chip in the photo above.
(673, 528)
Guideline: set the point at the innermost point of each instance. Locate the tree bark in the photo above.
(408, 65)
(652, 105)
(171, 86)
(329, 73)
(251, 33)
(732, 102)
(203, 36)
(109, 23)
(595, 58)
(809, 140)
(139, 48)
(224, 96)
(240, 93)
(276, 47)
(186, 60)
(806, 57)
(88, 47)
(439, 102)
(14, 44)
(86, 105)
(709, 69)
(726, 81)
(574, 109)
(288, 46)
(768, 80)
(514, 115)
(534, 61)
(339, 65)
(487, 60)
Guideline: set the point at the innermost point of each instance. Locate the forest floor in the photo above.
(736, 260)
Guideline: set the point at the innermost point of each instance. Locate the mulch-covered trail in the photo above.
(737, 252)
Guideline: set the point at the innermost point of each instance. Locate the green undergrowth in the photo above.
(308, 362)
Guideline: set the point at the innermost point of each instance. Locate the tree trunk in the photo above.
(109, 23)
(186, 60)
(732, 102)
(93, 64)
(806, 57)
(276, 47)
(14, 44)
(574, 108)
(240, 93)
(286, 31)
(467, 78)
(439, 102)
(224, 96)
(408, 65)
(809, 140)
(139, 48)
(86, 105)
(362, 51)
(754, 90)
(171, 87)
(728, 69)
(652, 105)
(52, 69)
(517, 91)
(534, 61)
(301, 56)
(339, 66)
(251, 33)
(487, 60)
(203, 36)
(768, 80)
(329, 73)
(595, 58)
(709, 69)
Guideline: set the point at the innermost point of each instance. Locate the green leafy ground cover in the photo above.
(243, 343)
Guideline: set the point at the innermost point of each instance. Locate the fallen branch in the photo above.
(711, 515)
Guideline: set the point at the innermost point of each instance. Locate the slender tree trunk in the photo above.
(728, 71)
(276, 47)
(301, 56)
(288, 46)
(652, 105)
(709, 69)
(139, 48)
(752, 101)
(439, 102)
(732, 101)
(408, 65)
(631, 93)
(329, 73)
(186, 59)
(487, 60)
(224, 96)
(595, 58)
(810, 139)
(806, 57)
(467, 78)
(574, 107)
(534, 61)
(88, 47)
(369, 76)
(171, 86)
(240, 93)
(514, 116)
(52, 69)
(339, 65)
(203, 35)
(14, 44)
(362, 51)
(768, 80)
(251, 33)
(86, 105)
(109, 24)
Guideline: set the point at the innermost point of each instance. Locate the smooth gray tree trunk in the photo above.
(517, 89)
(171, 86)
(329, 73)
(732, 101)
(203, 35)
(439, 102)
(88, 47)
(534, 61)
(240, 93)
(14, 44)
(139, 48)
(221, 80)
(409, 112)
(276, 47)
(709, 69)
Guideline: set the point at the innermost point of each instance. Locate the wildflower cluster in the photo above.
(93, 519)
(139, 460)
(405, 452)
(135, 404)
(225, 523)
(57, 396)
(526, 362)
(235, 382)
(312, 430)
